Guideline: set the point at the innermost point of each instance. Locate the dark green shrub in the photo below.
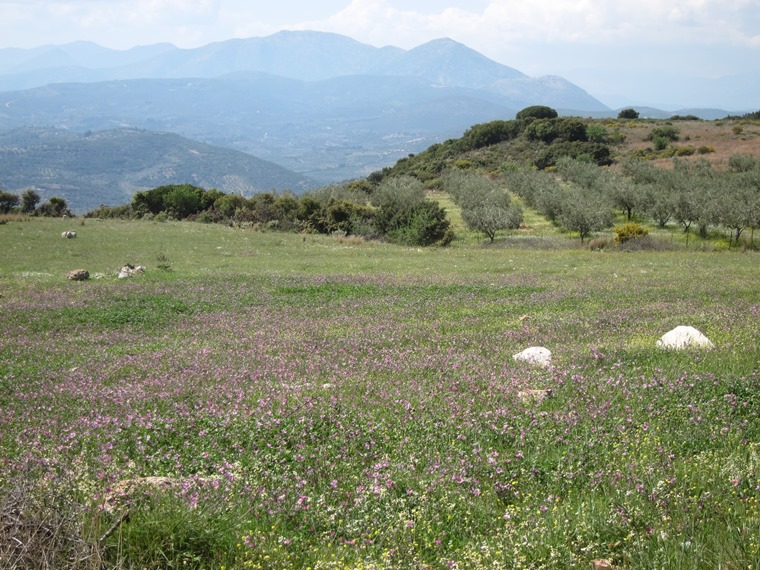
(8, 201)
(571, 129)
(55, 207)
(597, 133)
(537, 112)
(590, 152)
(544, 130)
(660, 143)
(668, 132)
(424, 223)
(487, 134)
(628, 114)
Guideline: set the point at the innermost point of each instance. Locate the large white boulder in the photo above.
(684, 337)
(536, 355)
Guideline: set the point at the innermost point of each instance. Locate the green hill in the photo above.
(108, 167)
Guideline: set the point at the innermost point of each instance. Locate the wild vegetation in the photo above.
(314, 398)
(316, 401)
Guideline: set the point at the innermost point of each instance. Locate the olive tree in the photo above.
(738, 206)
(486, 207)
(583, 212)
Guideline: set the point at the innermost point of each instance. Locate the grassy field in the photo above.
(315, 402)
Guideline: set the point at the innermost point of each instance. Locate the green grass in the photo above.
(329, 403)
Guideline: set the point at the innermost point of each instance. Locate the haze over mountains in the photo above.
(322, 105)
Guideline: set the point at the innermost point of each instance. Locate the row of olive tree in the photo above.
(695, 194)
(486, 205)
(28, 202)
(583, 197)
(576, 206)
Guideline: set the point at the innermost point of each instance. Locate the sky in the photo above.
(643, 52)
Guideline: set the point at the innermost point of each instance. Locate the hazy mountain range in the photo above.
(319, 104)
(107, 167)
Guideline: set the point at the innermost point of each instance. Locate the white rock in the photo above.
(684, 337)
(537, 355)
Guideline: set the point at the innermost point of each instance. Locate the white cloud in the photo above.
(405, 23)
(576, 21)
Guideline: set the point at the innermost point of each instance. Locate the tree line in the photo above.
(396, 210)
(28, 202)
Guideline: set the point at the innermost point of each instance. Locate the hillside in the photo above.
(107, 167)
(713, 141)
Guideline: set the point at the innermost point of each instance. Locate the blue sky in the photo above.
(656, 52)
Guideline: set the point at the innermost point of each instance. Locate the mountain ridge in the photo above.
(305, 55)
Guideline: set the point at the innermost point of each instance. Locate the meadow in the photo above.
(322, 402)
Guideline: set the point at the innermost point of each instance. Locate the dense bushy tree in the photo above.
(423, 223)
(405, 216)
(29, 200)
(628, 114)
(183, 201)
(54, 207)
(346, 217)
(585, 151)
(537, 112)
(227, 205)
(487, 134)
(150, 201)
(394, 195)
(567, 129)
(8, 201)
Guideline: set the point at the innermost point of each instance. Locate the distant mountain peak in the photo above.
(448, 62)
